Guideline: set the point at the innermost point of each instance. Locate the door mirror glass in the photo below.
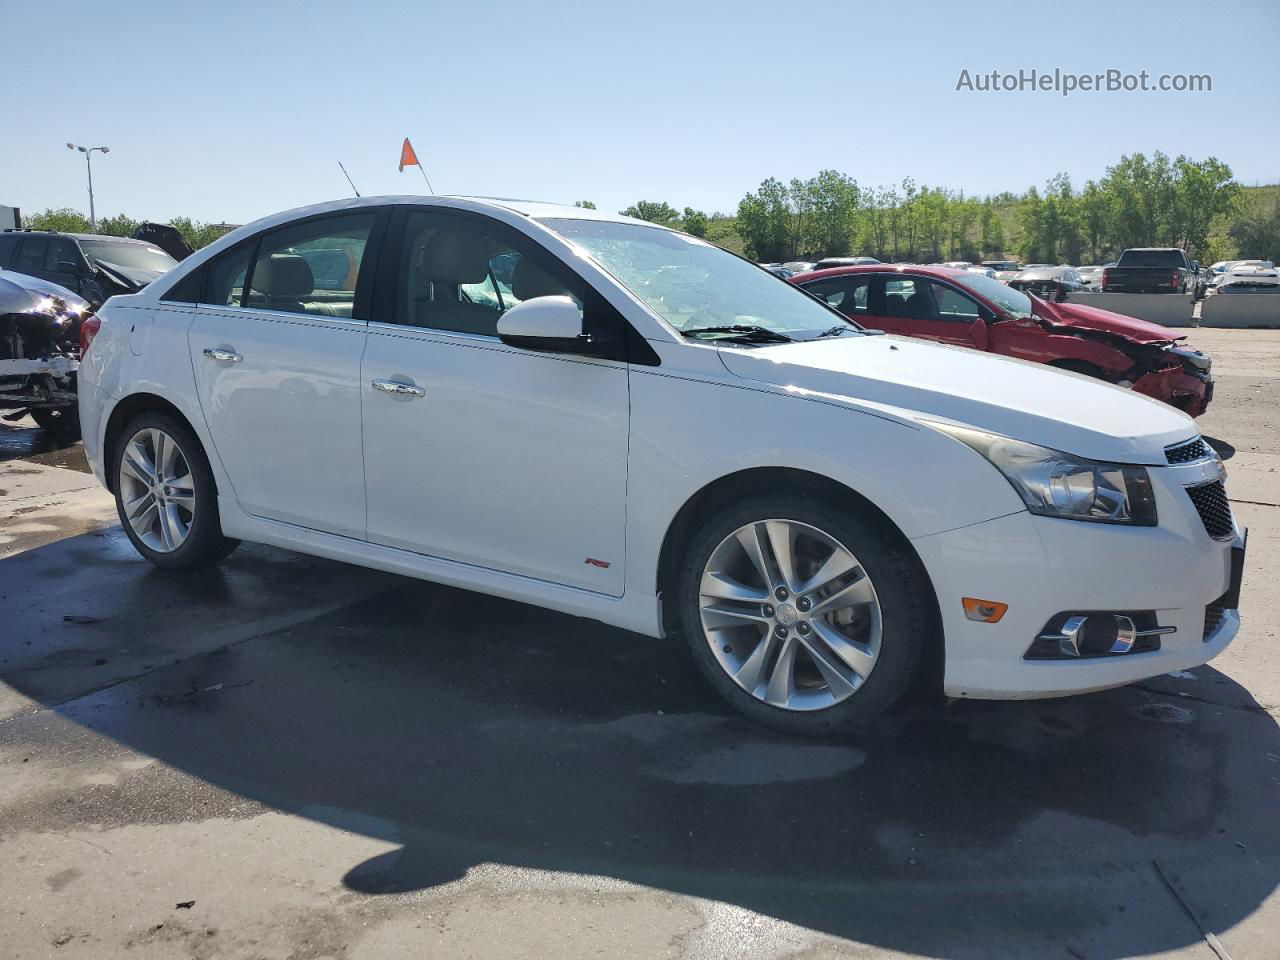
(544, 323)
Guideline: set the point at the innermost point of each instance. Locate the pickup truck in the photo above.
(1151, 270)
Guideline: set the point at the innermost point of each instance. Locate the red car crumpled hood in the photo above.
(1091, 318)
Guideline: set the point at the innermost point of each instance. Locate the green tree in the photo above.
(1203, 190)
(1095, 220)
(764, 221)
(653, 212)
(991, 232)
(584, 204)
(195, 233)
(1256, 233)
(62, 220)
(833, 200)
(118, 226)
(695, 222)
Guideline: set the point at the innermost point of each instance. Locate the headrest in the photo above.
(284, 275)
(529, 280)
(457, 256)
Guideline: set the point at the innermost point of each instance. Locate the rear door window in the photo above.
(61, 253)
(32, 253)
(8, 247)
(908, 298)
(849, 295)
(311, 267)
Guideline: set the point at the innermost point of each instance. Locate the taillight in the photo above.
(1104, 278)
(89, 327)
(1177, 279)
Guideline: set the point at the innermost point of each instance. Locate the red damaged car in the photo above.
(973, 310)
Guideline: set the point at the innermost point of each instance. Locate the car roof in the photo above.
(104, 236)
(532, 209)
(942, 273)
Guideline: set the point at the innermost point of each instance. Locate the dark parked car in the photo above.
(94, 267)
(1151, 270)
(39, 350)
(1049, 283)
(972, 310)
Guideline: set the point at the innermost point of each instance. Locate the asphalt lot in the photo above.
(287, 757)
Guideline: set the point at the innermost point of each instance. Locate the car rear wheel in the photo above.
(165, 494)
(803, 616)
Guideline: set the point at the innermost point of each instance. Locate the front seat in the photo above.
(282, 282)
(451, 258)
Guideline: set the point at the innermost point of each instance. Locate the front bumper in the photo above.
(1178, 388)
(1041, 566)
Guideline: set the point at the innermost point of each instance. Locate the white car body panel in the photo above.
(285, 420)
(539, 462)
(1075, 414)
(511, 459)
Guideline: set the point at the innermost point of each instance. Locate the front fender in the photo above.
(922, 480)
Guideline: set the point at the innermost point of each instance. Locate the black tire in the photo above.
(205, 543)
(62, 422)
(905, 596)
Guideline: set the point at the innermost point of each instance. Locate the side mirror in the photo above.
(552, 324)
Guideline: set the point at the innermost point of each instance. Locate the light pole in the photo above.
(88, 153)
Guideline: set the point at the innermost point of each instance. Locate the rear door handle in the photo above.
(218, 353)
(401, 389)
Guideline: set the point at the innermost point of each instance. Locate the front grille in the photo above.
(1186, 452)
(1210, 501)
(1214, 614)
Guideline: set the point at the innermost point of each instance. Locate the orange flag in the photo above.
(407, 157)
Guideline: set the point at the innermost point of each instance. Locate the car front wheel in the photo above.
(803, 615)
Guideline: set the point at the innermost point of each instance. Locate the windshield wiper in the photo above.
(742, 331)
(835, 331)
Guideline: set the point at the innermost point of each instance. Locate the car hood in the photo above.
(134, 278)
(20, 293)
(916, 380)
(1092, 318)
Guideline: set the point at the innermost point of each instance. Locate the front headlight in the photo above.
(1056, 484)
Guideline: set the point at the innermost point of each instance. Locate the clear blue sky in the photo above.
(230, 110)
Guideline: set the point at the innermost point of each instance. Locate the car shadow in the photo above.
(472, 730)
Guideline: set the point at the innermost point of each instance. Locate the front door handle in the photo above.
(218, 353)
(401, 389)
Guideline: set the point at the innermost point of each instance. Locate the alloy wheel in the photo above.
(157, 490)
(790, 614)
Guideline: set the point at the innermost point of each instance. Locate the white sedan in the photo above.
(622, 422)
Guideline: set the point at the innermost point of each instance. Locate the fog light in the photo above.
(1071, 636)
(984, 611)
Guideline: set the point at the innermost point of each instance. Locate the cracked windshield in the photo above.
(701, 290)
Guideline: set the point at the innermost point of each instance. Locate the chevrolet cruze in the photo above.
(622, 422)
